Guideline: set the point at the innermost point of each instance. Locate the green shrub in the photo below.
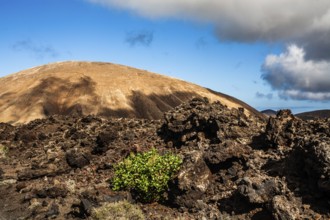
(117, 211)
(146, 175)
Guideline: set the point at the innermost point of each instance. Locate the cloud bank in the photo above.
(297, 78)
(300, 72)
(241, 20)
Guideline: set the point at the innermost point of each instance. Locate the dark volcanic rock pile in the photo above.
(234, 166)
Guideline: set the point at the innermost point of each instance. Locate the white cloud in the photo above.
(302, 72)
(240, 19)
(297, 78)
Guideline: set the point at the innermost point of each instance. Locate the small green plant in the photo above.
(3, 151)
(146, 175)
(117, 211)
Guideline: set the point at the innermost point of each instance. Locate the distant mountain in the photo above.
(269, 112)
(102, 89)
(312, 115)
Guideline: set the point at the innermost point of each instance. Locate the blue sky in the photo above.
(265, 54)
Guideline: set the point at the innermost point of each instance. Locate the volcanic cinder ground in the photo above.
(234, 166)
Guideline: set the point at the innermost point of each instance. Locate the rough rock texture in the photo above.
(234, 166)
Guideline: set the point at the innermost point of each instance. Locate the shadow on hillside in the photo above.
(149, 106)
(62, 97)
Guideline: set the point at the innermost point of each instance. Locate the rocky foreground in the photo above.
(234, 166)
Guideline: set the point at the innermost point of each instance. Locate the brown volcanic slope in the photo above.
(102, 89)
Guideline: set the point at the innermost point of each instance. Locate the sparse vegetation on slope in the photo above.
(121, 210)
(3, 151)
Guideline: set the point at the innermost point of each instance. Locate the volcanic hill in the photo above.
(313, 115)
(269, 112)
(102, 89)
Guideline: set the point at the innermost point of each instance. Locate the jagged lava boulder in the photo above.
(235, 166)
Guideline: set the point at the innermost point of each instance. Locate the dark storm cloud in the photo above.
(143, 38)
(316, 45)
